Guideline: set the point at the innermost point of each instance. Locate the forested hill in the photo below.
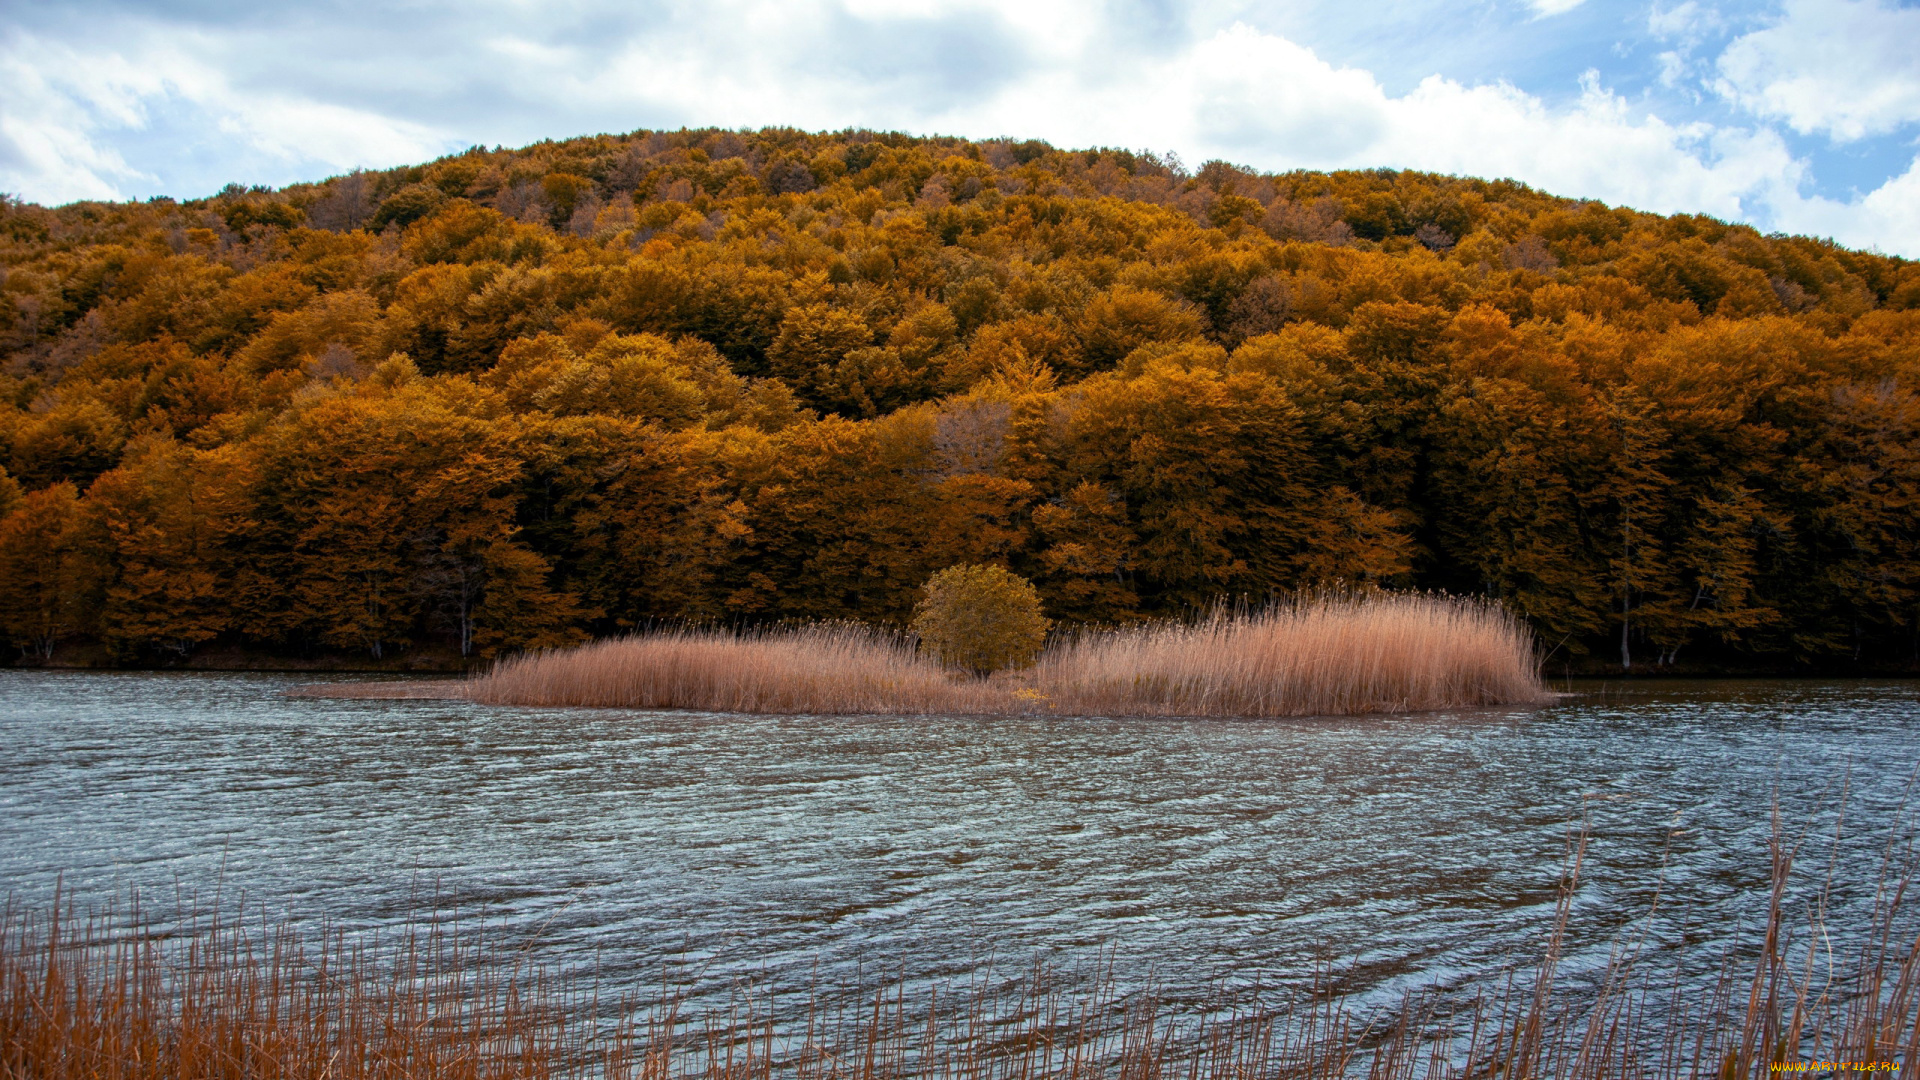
(514, 398)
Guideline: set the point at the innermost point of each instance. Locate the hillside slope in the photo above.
(514, 398)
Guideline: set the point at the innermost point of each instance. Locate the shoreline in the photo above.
(435, 663)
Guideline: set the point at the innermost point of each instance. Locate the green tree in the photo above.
(1514, 481)
(813, 341)
(408, 205)
(49, 580)
(1665, 436)
(1086, 565)
(518, 608)
(980, 619)
(166, 521)
(1210, 469)
(10, 494)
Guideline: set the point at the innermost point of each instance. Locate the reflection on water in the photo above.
(1195, 853)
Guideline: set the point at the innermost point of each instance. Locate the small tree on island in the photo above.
(980, 619)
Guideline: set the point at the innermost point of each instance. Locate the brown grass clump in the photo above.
(814, 669)
(1318, 655)
(213, 999)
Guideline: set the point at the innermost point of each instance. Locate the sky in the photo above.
(1798, 116)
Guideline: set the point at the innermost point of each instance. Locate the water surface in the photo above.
(1191, 852)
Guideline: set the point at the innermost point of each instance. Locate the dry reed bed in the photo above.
(814, 669)
(204, 999)
(394, 690)
(1318, 655)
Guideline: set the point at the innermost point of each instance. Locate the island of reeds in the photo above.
(1319, 655)
(513, 400)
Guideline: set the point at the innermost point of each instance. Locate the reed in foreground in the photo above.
(102, 999)
(1323, 654)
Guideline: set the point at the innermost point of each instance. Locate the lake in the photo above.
(1191, 853)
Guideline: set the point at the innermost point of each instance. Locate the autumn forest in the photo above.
(516, 399)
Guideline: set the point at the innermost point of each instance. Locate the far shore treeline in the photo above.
(518, 398)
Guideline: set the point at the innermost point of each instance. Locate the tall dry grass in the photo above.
(813, 669)
(1321, 654)
(203, 996)
(223, 1000)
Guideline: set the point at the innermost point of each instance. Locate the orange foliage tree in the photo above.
(513, 398)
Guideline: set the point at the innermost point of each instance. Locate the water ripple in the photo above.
(1191, 852)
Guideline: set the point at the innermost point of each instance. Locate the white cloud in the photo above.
(1887, 218)
(1673, 68)
(1555, 7)
(1250, 91)
(1847, 68)
(47, 150)
(1599, 148)
(1685, 21)
(67, 107)
(1261, 100)
(1683, 26)
(1074, 73)
(295, 130)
